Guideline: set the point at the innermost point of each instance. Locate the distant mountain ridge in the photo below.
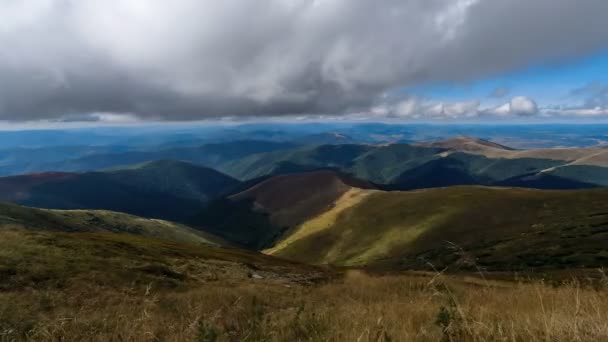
(160, 189)
(84, 158)
(465, 144)
(458, 161)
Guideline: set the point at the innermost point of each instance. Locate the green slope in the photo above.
(75, 262)
(497, 228)
(99, 221)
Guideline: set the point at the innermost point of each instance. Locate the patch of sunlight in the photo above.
(397, 237)
(324, 221)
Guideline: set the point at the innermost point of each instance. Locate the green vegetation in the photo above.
(110, 287)
(14, 216)
(98, 275)
(460, 227)
(163, 189)
(403, 166)
(42, 259)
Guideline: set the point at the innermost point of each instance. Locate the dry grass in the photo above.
(358, 307)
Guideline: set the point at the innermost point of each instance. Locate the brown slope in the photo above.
(292, 199)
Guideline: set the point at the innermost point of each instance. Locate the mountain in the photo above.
(327, 138)
(459, 161)
(293, 160)
(90, 158)
(99, 221)
(457, 227)
(293, 198)
(259, 215)
(176, 178)
(161, 189)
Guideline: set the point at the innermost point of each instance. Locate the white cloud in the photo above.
(518, 106)
(461, 109)
(521, 105)
(418, 108)
(407, 107)
(576, 112)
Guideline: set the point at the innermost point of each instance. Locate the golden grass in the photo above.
(358, 307)
(324, 221)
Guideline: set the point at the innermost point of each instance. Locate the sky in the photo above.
(132, 61)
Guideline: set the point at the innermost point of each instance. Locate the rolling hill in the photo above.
(93, 262)
(92, 158)
(458, 161)
(262, 213)
(460, 227)
(160, 189)
(99, 221)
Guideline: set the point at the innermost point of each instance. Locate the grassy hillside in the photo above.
(261, 214)
(112, 287)
(461, 227)
(98, 221)
(161, 189)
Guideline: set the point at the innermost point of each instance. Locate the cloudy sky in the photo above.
(151, 60)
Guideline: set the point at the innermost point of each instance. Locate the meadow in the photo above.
(354, 306)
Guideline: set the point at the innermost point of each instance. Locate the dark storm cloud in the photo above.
(192, 59)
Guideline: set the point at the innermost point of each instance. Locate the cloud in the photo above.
(419, 108)
(579, 112)
(521, 105)
(193, 59)
(593, 103)
(113, 118)
(518, 106)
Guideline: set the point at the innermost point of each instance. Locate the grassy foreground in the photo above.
(113, 287)
(357, 308)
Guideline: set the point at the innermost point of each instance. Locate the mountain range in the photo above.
(450, 203)
(160, 189)
(459, 161)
